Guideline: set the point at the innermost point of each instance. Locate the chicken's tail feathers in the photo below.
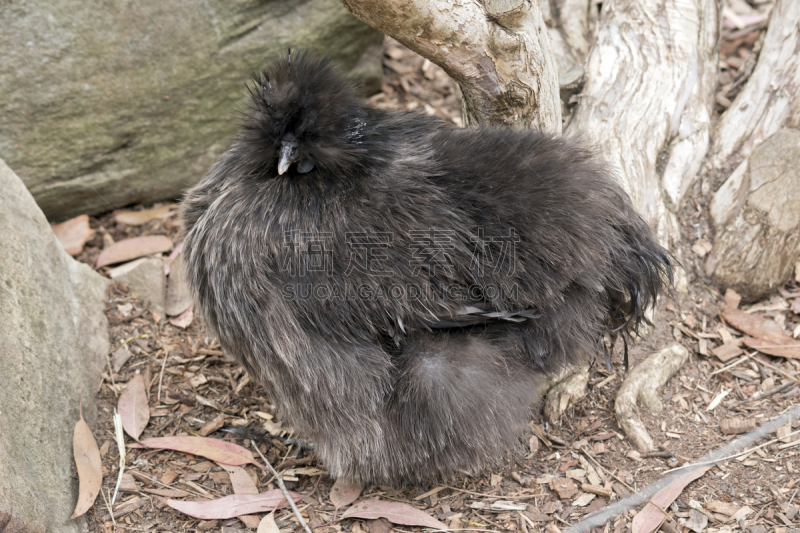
(646, 270)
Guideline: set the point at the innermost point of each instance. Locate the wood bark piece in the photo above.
(498, 51)
(769, 100)
(648, 98)
(756, 214)
(642, 387)
(734, 426)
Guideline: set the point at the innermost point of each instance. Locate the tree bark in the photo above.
(648, 98)
(771, 98)
(498, 51)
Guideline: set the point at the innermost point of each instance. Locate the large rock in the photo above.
(53, 346)
(756, 215)
(107, 104)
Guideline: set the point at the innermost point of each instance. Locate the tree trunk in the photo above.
(648, 96)
(498, 51)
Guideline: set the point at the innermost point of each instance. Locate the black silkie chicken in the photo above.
(399, 285)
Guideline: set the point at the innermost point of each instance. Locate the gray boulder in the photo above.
(53, 347)
(109, 104)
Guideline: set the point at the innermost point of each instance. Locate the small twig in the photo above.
(161, 377)
(108, 506)
(610, 472)
(111, 377)
(281, 485)
(498, 496)
(724, 368)
(765, 394)
(120, 438)
(776, 369)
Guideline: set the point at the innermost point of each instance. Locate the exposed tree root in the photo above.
(565, 390)
(642, 386)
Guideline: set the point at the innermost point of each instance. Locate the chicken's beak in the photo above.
(288, 155)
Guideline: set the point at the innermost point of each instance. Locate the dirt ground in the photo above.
(192, 387)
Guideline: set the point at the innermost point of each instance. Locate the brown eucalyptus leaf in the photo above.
(89, 464)
(651, 517)
(394, 512)
(183, 320)
(73, 234)
(234, 505)
(790, 351)
(215, 449)
(758, 326)
(343, 494)
(268, 525)
(241, 481)
(134, 248)
(133, 407)
(137, 218)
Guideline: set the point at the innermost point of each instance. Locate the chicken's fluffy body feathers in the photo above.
(400, 285)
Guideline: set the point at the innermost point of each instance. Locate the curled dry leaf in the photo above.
(343, 494)
(217, 450)
(133, 407)
(184, 319)
(73, 234)
(137, 218)
(134, 248)
(651, 517)
(234, 505)
(394, 512)
(268, 525)
(90, 470)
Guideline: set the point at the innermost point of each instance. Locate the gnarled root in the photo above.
(641, 386)
(564, 391)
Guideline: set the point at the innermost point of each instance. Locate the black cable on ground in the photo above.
(642, 496)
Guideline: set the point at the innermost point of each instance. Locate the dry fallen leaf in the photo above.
(73, 234)
(184, 319)
(732, 299)
(790, 351)
(133, 407)
(757, 326)
(234, 505)
(134, 248)
(651, 517)
(137, 218)
(241, 481)
(343, 494)
(90, 469)
(394, 512)
(268, 525)
(215, 449)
